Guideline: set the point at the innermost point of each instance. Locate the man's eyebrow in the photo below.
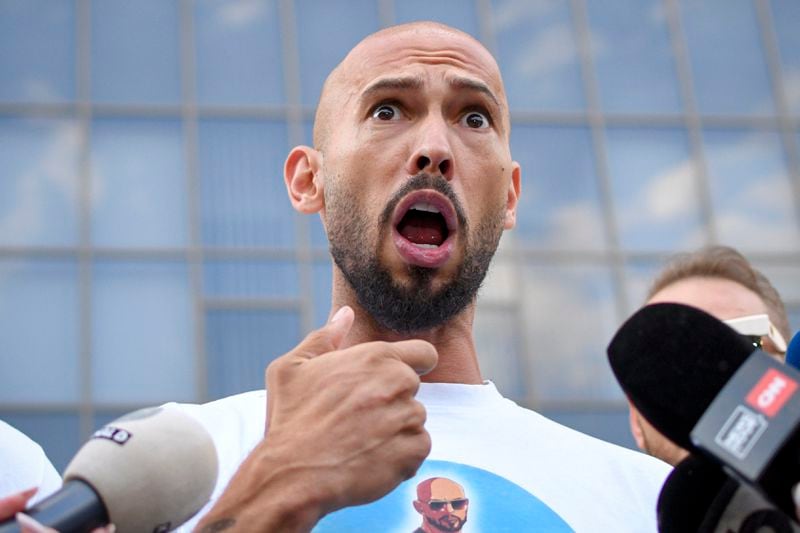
(469, 84)
(405, 83)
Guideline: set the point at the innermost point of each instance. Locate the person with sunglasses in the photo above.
(720, 281)
(442, 504)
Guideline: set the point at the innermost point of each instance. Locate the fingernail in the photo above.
(111, 528)
(339, 314)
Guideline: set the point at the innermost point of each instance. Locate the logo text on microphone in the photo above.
(771, 392)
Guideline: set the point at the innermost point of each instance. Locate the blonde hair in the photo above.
(727, 263)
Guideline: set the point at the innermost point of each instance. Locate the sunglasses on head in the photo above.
(757, 328)
(457, 504)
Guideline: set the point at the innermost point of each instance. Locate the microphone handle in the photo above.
(74, 508)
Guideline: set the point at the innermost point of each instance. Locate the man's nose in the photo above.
(432, 154)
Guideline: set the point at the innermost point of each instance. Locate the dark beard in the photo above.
(417, 307)
(444, 526)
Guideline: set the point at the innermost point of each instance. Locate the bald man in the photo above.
(442, 504)
(722, 282)
(412, 176)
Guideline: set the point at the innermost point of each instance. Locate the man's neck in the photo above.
(458, 361)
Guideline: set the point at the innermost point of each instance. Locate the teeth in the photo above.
(424, 207)
(425, 245)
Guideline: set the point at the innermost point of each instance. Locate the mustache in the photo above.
(420, 182)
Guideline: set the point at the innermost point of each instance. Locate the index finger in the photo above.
(11, 505)
(416, 353)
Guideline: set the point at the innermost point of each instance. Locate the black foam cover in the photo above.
(699, 496)
(672, 360)
(688, 494)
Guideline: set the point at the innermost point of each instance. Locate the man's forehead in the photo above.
(418, 50)
(445, 487)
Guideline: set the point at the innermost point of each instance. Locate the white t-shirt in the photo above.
(519, 470)
(23, 465)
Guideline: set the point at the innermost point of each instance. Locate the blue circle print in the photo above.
(495, 505)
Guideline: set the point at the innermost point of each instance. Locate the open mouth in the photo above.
(424, 228)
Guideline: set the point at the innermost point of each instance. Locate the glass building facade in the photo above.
(148, 252)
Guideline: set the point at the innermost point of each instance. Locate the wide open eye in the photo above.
(386, 112)
(475, 120)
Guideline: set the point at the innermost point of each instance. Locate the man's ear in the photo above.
(636, 426)
(513, 196)
(301, 172)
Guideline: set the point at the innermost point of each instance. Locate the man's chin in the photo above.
(453, 524)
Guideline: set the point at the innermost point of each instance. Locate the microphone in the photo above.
(793, 352)
(150, 470)
(704, 387)
(699, 496)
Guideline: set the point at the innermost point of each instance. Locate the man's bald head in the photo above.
(342, 83)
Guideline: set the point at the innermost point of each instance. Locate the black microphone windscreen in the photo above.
(699, 496)
(689, 492)
(672, 360)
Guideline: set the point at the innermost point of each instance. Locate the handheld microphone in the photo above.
(699, 496)
(150, 470)
(793, 352)
(702, 385)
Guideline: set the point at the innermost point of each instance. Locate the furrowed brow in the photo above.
(388, 84)
(467, 84)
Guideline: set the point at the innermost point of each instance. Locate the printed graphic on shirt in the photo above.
(445, 497)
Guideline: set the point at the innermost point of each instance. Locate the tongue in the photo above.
(421, 227)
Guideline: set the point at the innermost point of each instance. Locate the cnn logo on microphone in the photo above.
(771, 392)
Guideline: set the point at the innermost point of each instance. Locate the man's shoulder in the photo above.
(236, 423)
(573, 438)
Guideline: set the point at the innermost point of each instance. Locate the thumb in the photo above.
(330, 336)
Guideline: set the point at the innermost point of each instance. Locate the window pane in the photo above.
(456, 13)
(785, 278)
(240, 345)
(139, 192)
(39, 325)
(37, 51)
(142, 333)
(57, 433)
(569, 317)
(727, 58)
(559, 204)
(251, 279)
(322, 289)
(639, 276)
(497, 340)
(326, 31)
(319, 239)
(135, 48)
(238, 52)
(538, 55)
(655, 189)
(794, 317)
(38, 182)
(750, 190)
(633, 57)
(610, 426)
(786, 19)
(244, 197)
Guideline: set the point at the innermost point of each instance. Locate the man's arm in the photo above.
(343, 428)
